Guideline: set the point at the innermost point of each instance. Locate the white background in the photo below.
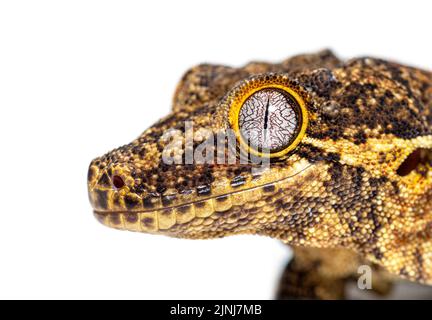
(78, 78)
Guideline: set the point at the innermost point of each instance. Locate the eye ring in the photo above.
(249, 88)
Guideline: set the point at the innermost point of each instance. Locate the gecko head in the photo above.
(264, 149)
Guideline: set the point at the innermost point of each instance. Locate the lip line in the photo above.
(203, 199)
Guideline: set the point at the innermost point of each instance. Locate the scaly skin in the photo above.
(348, 183)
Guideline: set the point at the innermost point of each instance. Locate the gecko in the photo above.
(332, 157)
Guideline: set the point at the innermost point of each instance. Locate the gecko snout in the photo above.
(106, 182)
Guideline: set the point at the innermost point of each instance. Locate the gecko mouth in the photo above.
(203, 208)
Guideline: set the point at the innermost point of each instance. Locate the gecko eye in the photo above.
(269, 120)
(268, 116)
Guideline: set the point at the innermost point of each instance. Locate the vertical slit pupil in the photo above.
(269, 120)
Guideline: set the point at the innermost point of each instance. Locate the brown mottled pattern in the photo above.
(339, 188)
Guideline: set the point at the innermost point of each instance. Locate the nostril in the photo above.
(118, 182)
